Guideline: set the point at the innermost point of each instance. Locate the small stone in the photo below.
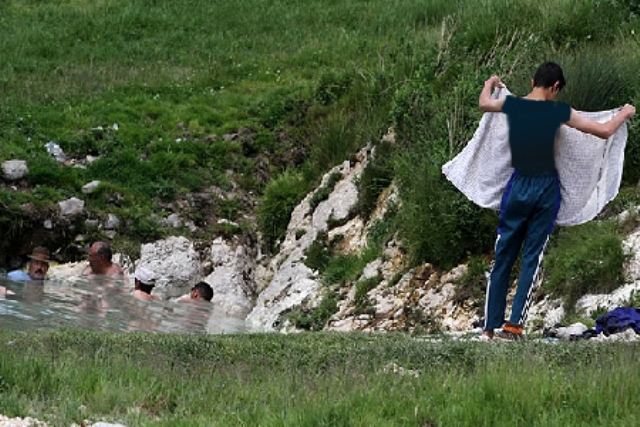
(90, 187)
(92, 223)
(112, 222)
(71, 207)
(14, 170)
(48, 224)
(173, 220)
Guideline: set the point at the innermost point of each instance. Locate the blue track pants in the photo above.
(527, 215)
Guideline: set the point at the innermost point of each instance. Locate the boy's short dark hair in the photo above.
(547, 75)
(204, 290)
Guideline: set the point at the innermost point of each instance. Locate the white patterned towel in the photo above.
(590, 168)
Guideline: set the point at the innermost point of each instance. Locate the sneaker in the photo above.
(511, 332)
(507, 336)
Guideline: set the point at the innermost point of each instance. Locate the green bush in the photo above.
(585, 259)
(281, 196)
(45, 171)
(375, 178)
(595, 84)
(140, 223)
(314, 319)
(435, 216)
(332, 86)
(318, 253)
(342, 268)
(363, 287)
(323, 193)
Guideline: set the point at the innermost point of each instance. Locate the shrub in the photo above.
(596, 84)
(44, 170)
(585, 259)
(316, 318)
(318, 253)
(332, 86)
(284, 106)
(343, 268)
(362, 289)
(437, 223)
(281, 196)
(375, 178)
(323, 193)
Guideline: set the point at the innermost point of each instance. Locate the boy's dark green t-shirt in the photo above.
(532, 132)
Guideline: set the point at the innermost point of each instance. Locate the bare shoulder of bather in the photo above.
(114, 270)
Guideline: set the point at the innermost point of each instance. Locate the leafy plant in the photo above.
(375, 178)
(323, 193)
(281, 195)
(585, 259)
(318, 253)
(363, 287)
(314, 319)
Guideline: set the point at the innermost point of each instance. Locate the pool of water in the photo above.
(106, 305)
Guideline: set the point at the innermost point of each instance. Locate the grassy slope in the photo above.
(174, 70)
(312, 82)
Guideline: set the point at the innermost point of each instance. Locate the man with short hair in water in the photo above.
(531, 200)
(100, 263)
(202, 291)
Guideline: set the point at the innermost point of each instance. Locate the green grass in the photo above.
(585, 259)
(313, 379)
(303, 86)
(167, 71)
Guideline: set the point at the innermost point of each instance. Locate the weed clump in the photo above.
(585, 259)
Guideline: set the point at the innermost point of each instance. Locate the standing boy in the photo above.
(531, 200)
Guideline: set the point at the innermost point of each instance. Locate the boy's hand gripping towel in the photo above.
(590, 168)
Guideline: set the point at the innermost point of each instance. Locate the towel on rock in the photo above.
(590, 168)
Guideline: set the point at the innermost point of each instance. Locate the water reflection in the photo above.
(106, 305)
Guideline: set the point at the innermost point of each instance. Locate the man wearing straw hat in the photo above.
(37, 267)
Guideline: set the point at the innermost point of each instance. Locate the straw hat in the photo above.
(40, 253)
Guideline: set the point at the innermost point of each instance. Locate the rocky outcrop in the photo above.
(176, 263)
(292, 282)
(231, 277)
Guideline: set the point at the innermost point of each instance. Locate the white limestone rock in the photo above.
(90, 187)
(231, 278)
(176, 263)
(13, 170)
(292, 281)
(71, 207)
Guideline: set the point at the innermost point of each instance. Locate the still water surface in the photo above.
(108, 306)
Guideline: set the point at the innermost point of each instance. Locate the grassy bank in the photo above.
(200, 108)
(304, 83)
(300, 85)
(314, 380)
